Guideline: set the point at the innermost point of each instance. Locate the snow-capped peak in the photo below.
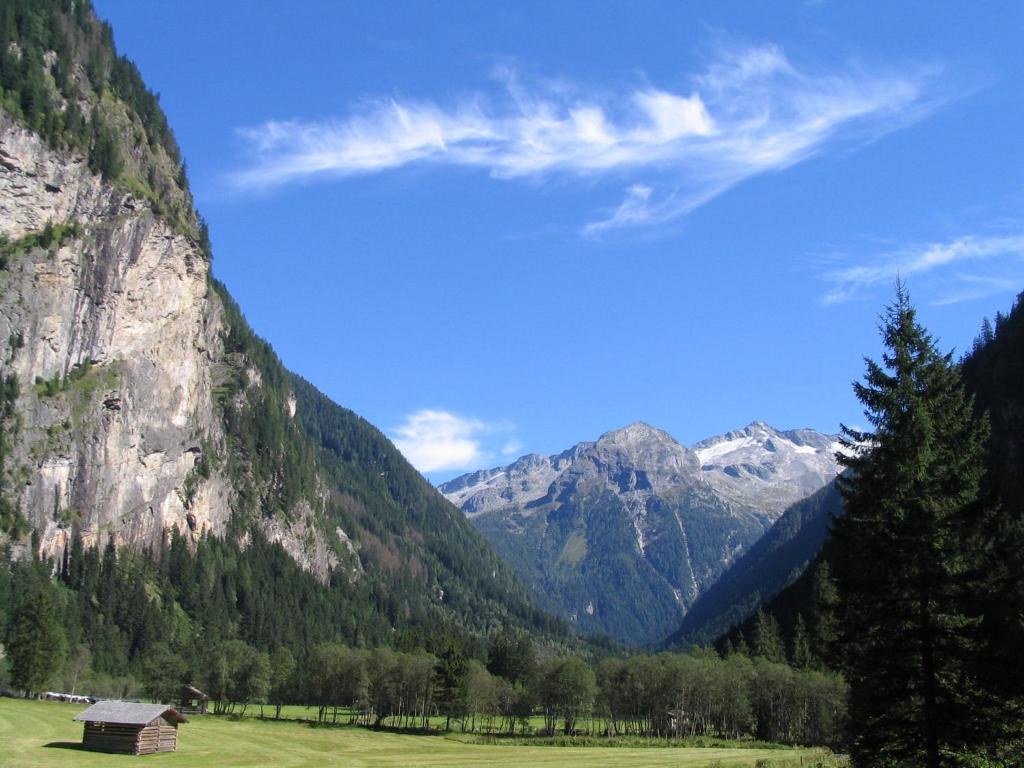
(759, 465)
(756, 467)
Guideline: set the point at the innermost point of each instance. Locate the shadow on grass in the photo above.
(76, 745)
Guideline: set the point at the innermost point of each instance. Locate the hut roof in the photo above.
(129, 713)
(196, 693)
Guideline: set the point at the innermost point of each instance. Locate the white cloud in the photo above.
(439, 440)
(635, 209)
(970, 287)
(511, 449)
(996, 264)
(435, 441)
(749, 112)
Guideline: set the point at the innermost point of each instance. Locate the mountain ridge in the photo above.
(622, 534)
(525, 475)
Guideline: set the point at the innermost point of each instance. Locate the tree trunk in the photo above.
(931, 715)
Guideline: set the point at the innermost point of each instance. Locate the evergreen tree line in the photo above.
(111, 608)
(800, 625)
(251, 628)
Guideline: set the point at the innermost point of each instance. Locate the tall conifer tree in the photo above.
(906, 556)
(36, 645)
(768, 638)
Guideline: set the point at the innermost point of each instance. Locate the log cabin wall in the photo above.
(158, 736)
(112, 737)
(168, 738)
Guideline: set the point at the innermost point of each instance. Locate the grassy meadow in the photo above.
(41, 734)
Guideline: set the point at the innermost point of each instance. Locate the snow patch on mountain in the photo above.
(757, 468)
(760, 466)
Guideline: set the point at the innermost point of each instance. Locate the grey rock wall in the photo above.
(115, 339)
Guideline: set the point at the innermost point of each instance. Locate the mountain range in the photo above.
(623, 535)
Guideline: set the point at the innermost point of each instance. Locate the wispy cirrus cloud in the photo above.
(750, 111)
(437, 441)
(960, 269)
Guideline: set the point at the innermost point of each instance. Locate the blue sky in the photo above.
(497, 228)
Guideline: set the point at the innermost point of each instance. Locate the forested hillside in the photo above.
(993, 372)
(285, 520)
(408, 528)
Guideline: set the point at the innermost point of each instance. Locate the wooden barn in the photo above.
(193, 700)
(135, 729)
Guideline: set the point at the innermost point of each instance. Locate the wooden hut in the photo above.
(136, 729)
(193, 700)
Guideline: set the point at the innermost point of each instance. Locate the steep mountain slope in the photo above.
(406, 532)
(135, 397)
(111, 336)
(993, 373)
(771, 564)
(622, 535)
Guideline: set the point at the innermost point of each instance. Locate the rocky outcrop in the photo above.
(38, 185)
(114, 335)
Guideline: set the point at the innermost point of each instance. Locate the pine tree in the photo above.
(802, 657)
(768, 638)
(823, 623)
(904, 557)
(36, 645)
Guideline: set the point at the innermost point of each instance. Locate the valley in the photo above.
(188, 510)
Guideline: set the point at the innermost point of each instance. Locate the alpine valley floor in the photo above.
(42, 734)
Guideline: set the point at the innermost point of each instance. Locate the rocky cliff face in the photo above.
(113, 333)
(622, 535)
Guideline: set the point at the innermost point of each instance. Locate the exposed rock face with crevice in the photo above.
(114, 335)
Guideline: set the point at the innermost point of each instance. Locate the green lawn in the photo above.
(40, 734)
